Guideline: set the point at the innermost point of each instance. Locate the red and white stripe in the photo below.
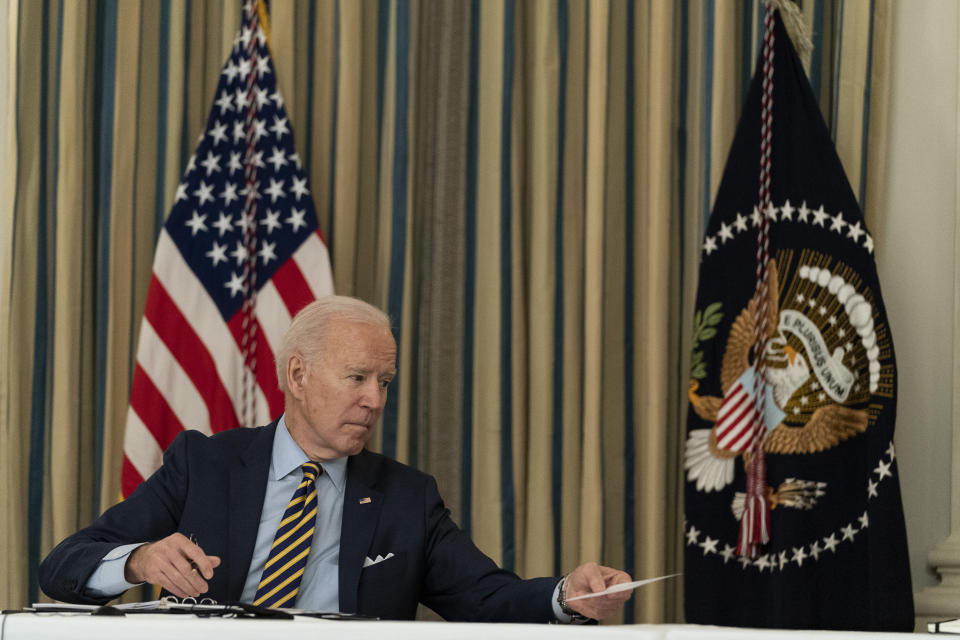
(736, 420)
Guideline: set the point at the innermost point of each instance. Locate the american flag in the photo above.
(242, 215)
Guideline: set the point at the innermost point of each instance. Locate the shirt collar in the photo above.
(288, 456)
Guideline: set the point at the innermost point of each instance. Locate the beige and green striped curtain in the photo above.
(521, 184)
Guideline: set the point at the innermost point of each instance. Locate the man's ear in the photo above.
(296, 374)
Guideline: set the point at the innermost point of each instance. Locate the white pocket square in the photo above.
(368, 562)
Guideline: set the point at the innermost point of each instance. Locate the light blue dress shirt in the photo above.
(319, 587)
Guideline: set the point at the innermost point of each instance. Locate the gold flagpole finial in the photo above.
(264, 20)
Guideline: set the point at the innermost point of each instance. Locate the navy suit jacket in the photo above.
(213, 487)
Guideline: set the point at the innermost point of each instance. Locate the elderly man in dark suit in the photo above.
(361, 534)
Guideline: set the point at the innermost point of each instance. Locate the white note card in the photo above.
(623, 586)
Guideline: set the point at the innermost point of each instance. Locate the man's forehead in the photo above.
(344, 334)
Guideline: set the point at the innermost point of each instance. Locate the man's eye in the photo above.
(357, 377)
(384, 384)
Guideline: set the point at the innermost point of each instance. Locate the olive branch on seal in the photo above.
(704, 323)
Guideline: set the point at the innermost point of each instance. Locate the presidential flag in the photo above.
(814, 405)
(239, 255)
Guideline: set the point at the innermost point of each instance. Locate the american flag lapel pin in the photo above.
(366, 500)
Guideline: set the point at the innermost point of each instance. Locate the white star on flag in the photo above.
(218, 133)
(709, 245)
(819, 216)
(279, 127)
(235, 284)
(271, 221)
(830, 543)
(275, 190)
(786, 211)
(196, 223)
(229, 193)
(223, 224)
(709, 545)
(883, 469)
(727, 553)
(211, 163)
(725, 233)
(799, 555)
(300, 188)
(204, 192)
(217, 253)
(838, 223)
(296, 219)
(267, 252)
(278, 159)
(854, 231)
(225, 102)
(741, 222)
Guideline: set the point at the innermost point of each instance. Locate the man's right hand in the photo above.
(175, 563)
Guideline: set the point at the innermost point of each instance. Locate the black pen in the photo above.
(193, 564)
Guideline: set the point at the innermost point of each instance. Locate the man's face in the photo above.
(333, 403)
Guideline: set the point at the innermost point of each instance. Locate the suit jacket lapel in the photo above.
(248, 485)
(361, 512)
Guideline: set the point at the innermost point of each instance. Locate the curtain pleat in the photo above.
(874, 160)
(487, 514)
(570, 266)
(522, 186)
(28, 331)
(72, 395)
(541, 90)
(12, 584)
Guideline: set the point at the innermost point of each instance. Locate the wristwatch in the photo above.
(575, 617)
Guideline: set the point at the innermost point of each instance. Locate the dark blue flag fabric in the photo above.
(837, 553)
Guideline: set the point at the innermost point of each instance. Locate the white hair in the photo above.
(306, 333)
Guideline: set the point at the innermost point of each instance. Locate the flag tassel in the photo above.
(755, 524)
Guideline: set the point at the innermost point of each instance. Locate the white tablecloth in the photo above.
(145, 626)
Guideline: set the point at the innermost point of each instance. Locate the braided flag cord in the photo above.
(755, 524)
(239, 255)
(248, 341)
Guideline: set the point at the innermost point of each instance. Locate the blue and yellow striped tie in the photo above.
(280, 580)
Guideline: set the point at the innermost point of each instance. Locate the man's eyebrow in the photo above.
(368, 371)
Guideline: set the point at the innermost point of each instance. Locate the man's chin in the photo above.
(356, 444)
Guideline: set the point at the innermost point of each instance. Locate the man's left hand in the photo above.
(592, 578)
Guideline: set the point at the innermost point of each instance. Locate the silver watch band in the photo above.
(562, 602)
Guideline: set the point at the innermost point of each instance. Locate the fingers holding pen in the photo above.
(176, 563)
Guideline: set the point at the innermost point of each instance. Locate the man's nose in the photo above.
(372, 396)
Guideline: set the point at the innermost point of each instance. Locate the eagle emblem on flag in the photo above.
(828, 356)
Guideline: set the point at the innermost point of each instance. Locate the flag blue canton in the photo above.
(207, 221)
